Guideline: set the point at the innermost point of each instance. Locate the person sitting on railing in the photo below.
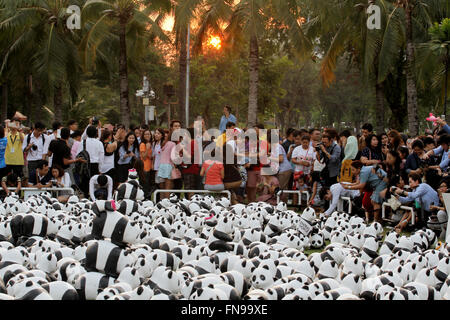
(397, 182)
(439, 218)
(60, 179)
(213, 172)
(101, 187)
(43, 175)
(423, 195)
(10, 181)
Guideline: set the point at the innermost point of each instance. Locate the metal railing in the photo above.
(28, 192)
(299, 193)
(341, 204)
(413, 213)
(156, 192)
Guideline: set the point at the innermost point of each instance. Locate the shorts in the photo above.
(376, 193)
(253, 178)
(216, 187)
(165, 171)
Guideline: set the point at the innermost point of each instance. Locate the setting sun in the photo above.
(215, 42)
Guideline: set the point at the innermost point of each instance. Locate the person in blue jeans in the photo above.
(3, 143)
(423, 194)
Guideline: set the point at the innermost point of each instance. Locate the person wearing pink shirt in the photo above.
(167, 171)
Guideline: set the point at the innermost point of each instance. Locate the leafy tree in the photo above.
(105, 20)
(36, 31)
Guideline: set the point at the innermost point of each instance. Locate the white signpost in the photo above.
(149, 113)
(305, 227)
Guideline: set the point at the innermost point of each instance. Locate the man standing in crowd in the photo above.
(61, 152)
(316, 136)
(366, 130)
(331, 153)
(72, 125)
(227, 117)
(34, 147)
(289, 139)
(95, 149)
(14, 154)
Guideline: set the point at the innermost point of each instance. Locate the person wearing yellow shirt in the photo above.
(14, 155)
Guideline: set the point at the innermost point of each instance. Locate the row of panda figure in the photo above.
(207, 249)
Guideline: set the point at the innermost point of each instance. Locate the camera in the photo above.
(95, 121)
(128, 151)
(54, 183)
(318, 146)
(34, 147)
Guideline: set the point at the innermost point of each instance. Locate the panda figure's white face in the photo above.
(317, 240)
(262, 278)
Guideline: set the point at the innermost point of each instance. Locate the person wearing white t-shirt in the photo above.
(95, 149)
(303, 156)
(100, 187)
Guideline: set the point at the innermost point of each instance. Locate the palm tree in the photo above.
(36, 31)
(127, 20)
(209, 14)
(249, 20)
(346, 22)
(434, 58)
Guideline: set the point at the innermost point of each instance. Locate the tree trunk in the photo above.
(446, 83)
(37, 100)
(411, 89)
(29, 100)
(57, 103)
(379, 107)
(183, 76)
(123, 78)
(4, 114)
(253, 82)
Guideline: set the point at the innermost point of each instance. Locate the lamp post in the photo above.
(188, 67)
(146, 93)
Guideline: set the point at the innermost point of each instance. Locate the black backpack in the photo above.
(29, 139)
(83, 169)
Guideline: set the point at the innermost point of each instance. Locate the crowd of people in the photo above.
(369, 168)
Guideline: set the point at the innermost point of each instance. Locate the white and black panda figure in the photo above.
(127, 207)
(109, 223)
(90, 284)
(60, 290)
(316, 239)
(104, 256)
(131, 189)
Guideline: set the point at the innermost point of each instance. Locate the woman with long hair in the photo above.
(371, 154)
(384, 142)
(373, 177)
(145, 149)
(167, 172)
(60, 179)
(395, 140)
(139, 167)
(110, 145)
(158, 140)
(128, 153)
